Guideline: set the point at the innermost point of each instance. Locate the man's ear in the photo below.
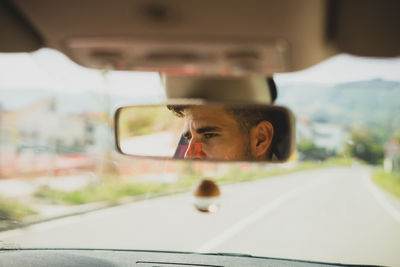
(263, 133)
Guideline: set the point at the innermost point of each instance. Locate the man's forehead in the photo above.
(202, 114)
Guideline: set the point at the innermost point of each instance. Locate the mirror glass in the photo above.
(206, 132)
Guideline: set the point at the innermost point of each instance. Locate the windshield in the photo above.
(63, 185)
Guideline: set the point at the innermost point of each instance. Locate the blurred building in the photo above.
(40, 126)
(325, 134)
(38, 136)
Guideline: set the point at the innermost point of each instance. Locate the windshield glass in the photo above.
(63, 185)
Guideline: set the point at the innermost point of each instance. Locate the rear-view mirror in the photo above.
(221, 132)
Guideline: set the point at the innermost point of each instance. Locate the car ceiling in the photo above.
(300, 33)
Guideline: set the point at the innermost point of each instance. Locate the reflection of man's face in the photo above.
(214, 134)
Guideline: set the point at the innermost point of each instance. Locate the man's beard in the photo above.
(247, 155)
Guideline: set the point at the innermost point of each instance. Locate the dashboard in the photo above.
(122, 258)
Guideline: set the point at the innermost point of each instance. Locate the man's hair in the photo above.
(245, 117)
(178, 109)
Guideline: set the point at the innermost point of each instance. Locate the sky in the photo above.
(49, 69)
(346, 68)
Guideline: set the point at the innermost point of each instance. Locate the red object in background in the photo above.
(19, 165)
(181, 148)
(180, 151)
(392, 147)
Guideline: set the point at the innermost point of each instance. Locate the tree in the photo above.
(308, 150)
(363, 145)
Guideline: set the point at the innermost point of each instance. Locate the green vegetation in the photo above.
(236, 174)
(365, 146)
(136, 121)
(309, 151)
(339, 161)
(111, 192)
(12, 210)
(388, 181)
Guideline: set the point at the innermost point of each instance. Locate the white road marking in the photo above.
(393, 212)
(258, 214)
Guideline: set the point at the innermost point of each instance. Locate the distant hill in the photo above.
(374, 103)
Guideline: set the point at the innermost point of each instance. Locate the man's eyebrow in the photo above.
(205, 129)
(201, 130)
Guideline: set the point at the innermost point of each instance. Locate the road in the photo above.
(334, 215)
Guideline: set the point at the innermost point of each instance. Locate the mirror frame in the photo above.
(292, 126)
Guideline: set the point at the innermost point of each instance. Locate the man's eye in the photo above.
(187, 138)
(210, 135)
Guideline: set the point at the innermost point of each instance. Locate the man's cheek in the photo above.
(215, 150)
(210, 150)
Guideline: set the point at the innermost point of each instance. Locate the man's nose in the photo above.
(194, 151)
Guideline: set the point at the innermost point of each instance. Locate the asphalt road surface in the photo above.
(335, 215)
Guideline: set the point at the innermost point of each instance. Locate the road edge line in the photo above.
(377, 194)
(240, 225)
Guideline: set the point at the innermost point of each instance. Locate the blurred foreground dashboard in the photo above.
(106, 258)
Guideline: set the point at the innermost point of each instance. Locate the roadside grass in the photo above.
(340, 161)
(111, 192)
(114, 190)
(388, 181)
(237, 175)
(11, 210)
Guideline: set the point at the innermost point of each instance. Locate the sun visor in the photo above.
(253, 89)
